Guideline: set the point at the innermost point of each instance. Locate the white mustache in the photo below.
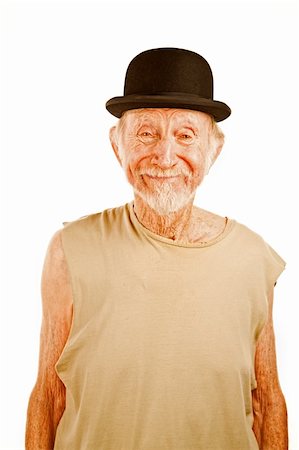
(164, 173)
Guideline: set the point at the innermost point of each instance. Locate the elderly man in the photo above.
(157, 325)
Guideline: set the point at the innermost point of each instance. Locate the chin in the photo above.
(166, 200)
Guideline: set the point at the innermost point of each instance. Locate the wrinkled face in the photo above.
(163, 153)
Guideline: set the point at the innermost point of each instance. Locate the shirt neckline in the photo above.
(230, 224)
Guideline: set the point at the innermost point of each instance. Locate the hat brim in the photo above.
(118, 105)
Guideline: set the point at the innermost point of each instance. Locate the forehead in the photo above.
(167, 115)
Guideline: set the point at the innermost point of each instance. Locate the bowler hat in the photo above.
(169, 78)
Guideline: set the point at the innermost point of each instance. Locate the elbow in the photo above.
(48, 398)
(269, 403)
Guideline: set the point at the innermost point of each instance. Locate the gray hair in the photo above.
(216, 138)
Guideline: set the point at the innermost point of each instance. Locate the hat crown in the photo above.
(164, 70)
(169, 77)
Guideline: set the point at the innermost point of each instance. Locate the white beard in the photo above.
(166, 199)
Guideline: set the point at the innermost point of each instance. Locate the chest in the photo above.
(151, 306)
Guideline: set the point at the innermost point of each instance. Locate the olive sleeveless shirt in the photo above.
(161, 350)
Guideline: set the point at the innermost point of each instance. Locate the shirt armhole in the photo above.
(276, 265)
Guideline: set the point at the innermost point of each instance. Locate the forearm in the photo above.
(43, 416)
(270, 426)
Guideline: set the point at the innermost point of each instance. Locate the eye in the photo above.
(185, 137)
(146, 136)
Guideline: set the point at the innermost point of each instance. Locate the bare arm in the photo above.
(270, 413)
(47, 400)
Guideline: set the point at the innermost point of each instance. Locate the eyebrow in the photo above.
(190, 126)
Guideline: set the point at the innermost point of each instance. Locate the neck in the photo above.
(176, 225)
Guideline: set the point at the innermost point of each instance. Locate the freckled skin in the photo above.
(269, 407)
(47, 401)
(169, 140)
(164, 149)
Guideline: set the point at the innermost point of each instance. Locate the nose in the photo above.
(164, 154)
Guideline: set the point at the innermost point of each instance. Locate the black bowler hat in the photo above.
(169, 78)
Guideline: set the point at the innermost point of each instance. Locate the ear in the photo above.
(215, 147)
(114, 143)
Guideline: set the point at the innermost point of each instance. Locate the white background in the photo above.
(61, 61)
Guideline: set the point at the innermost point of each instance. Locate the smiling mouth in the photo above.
(161, 178)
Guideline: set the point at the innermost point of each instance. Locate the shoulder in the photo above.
(55, 282)
(258, 243)
(250, 236)
(93, 230)
(109, 214)
(55, 253)
(257, 250)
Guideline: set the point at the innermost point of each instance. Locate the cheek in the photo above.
(132, 163)
(136, 157)
(196, 162)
